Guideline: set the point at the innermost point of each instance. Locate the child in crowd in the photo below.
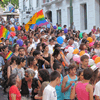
(49, 92)
(68, 81)
(57, 66)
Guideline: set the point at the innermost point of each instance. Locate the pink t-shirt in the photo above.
(14, 90)
(80, 90)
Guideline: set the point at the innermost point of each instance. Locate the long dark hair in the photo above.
(38, 47)
(12, 79)
(13, 59)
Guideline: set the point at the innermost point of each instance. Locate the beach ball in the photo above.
(97, 60)
(76, 51)
(55, 27)
(82, 53)
(94, 57)
(89, 39)
(76, 58)
(16, 27)
(70, 49)
(20, 42)
(12, 34)
(69, 56)
(98, 64)
(91, 44)
(19, 28)
(60, 40)
(65, 30)
(91, 62)
(80, 35)
(12, 29)
(59, 28)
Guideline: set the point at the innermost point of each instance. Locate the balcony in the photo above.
(49, 2)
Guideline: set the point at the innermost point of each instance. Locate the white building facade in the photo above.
(86, 13)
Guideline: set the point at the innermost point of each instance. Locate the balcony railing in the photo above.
(49, 2)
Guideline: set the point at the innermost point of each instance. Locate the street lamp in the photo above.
(71, 14)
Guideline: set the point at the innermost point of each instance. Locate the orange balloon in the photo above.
(0, 41)
(82, 53)
(12, 29)
(89, 39)
(76, 51)
(97, 59)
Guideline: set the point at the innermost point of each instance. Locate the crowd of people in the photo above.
(40, 68)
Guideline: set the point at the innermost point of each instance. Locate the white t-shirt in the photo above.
(97, 89)
(49, 93)
(50, 49)
(33, 45)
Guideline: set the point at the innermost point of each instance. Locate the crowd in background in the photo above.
(43, 69)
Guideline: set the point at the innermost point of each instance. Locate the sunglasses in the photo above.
(26, 75)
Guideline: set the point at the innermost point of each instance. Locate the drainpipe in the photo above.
(71, 14)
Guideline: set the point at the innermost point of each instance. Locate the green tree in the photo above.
(5, 3)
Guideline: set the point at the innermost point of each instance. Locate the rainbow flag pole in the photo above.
(9, 55)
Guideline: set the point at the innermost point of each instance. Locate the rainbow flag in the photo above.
(4, 32)
(9, 55)
(31, 22)
(37, 20)
(40, 20)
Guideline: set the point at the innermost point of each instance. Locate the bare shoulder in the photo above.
(65, 79)
(89, 87)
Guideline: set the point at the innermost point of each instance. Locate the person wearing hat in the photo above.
(94, 77)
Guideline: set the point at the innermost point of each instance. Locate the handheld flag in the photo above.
(9, 55)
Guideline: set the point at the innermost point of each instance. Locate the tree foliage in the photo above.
(5, 3)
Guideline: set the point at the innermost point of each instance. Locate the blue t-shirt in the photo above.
(68, 92)
(60, 95)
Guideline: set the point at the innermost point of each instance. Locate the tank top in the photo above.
(80, 90)
(68, 92)
(48, 59)
(30, 92)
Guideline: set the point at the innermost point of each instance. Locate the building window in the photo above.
(59, 16)
(47, 0)
(23, 5)
(37, 3)
(83, 12)
(30, 4)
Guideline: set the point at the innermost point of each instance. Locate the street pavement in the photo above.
(2, 95)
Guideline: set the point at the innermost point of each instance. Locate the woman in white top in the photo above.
(96, 49)
(32, 65)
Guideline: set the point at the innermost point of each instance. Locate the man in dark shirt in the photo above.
(41, 61)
